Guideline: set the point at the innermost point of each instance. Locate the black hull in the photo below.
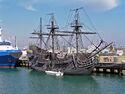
(37, 69)
(80, 71)
(68, 70)
(67, 65)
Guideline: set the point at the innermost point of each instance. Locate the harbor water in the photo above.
(25, 81)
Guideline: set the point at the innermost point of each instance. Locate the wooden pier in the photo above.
(23, 62)
(114, 68)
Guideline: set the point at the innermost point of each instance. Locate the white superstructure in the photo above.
(5, 45)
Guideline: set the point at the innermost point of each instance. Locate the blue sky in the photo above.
(20, 17)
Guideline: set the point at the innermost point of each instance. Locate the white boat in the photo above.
(54, 73)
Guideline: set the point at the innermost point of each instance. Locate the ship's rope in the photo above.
(69, 42)
(89, 19)
(70, 15)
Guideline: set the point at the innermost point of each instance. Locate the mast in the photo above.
(77, 26)
(40, 36)
(52, 33)
(76, 29)
(15, 41)
(52, 29)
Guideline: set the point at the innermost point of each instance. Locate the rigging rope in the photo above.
(89, 19)
(89, 40)
(68, 20)
(67, 41)
(70, 39)
(81, 42)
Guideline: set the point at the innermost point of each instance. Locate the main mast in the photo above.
(77, 26)
(52, 33)
(52, 29)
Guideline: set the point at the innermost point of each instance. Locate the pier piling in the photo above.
(110, 68)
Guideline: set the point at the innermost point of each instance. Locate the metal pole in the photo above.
(15, 41)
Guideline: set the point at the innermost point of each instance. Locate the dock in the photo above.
(23, 62)
(114, 68)
(111, 68)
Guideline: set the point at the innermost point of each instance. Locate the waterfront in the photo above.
(24, 81)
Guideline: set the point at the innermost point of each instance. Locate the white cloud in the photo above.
(96, 5)
(101, 5)
(30, 7)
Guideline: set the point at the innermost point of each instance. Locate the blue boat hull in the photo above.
(8, 60)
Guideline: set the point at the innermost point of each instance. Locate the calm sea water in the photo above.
(24, 81)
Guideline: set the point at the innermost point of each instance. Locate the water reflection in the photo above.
(110, 83)
(24, 81)
(64, 85)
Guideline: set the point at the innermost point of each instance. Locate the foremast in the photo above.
(76, 25)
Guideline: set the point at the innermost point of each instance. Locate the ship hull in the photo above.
(9, 58)
(69, 70)
(80, 71)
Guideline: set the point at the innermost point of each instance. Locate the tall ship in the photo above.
(76, 63)
(8, 54)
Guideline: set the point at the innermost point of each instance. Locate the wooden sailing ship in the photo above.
(75, 64)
